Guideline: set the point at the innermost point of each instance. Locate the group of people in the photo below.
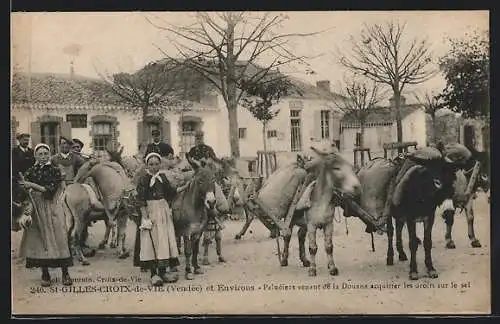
(39, 178)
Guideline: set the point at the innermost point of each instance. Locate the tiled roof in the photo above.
(307, 90)
(381, 115)
(61, 90)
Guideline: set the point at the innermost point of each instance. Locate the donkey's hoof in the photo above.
(284, 262)
(413, 276)
(312, 272)
(390, 260)
(205, 261)
(124, 255)
(237, 237)
(432, 273)
(113, 245)
(85, 263)
(198, 271)
(306, 263)
(450, 244)
(89, 253)
(475, 243)
(403, 257)
(189, 276)
(222, 259)
(101, 246)
(334, 271)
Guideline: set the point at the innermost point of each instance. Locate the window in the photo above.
(272, 133)
(295, 131)
(242, 133)
(102, 137)
(49, 135)
(325, 124)
(77, 120)
(295, 113)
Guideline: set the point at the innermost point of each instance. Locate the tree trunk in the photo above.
(433, 125)
(266, 162)
(362, 136)
(145, 112)
(399, 124)
(231, 92)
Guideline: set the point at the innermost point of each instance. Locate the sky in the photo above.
(125, 41)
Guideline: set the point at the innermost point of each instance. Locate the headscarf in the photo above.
(154, 177)
(39, 146)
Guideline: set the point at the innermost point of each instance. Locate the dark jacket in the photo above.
(22, 161)
(161, 148)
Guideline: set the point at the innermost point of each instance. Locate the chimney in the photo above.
(323, 85)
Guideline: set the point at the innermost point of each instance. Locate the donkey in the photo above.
(117, 201)
(335, 179)
(419, 188)
(190, 213)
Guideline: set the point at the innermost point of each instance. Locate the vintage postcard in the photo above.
(250, 163)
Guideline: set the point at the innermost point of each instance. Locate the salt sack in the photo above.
(177, 178)
(425, 154)
(278, 190)
(457, 153)
(375, 178)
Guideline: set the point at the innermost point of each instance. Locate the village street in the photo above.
(253, 267)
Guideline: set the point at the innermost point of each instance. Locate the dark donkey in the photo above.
(190, 213)
(423, 183)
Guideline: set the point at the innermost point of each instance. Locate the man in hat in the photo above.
(22, 159)
(68, 161)
(22, 155)
(201, 152)
(158, 146)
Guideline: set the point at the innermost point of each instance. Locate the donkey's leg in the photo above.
(428, 223)
(178, 241)
(77, 235)
(399, 239)
(301, 236)
(390, 236)
(412, 236)
(188, 251)
(195, 241)
(449, 219)
(105, 239)
(206, 245)
(218, 246)
(313, 248)
(114, 235)
(286, 249)
(249, 217)
(328, 237)
(469, 214)
(121, 236)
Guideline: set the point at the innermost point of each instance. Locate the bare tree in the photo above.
(431, 105)
(158, 86)
(383, 56)
(360, 98)
(225, 47)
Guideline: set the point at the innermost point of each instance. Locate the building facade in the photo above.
(381, 128)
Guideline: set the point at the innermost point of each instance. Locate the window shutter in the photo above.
(334, 127)
(166, 132)
(317, 125)
(65, 129)
(140, 133)
(36, 133)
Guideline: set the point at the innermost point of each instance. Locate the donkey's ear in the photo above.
(121, 150)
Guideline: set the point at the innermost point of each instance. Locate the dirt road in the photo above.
(252, 282)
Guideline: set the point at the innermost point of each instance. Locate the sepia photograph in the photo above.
(250, 163)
